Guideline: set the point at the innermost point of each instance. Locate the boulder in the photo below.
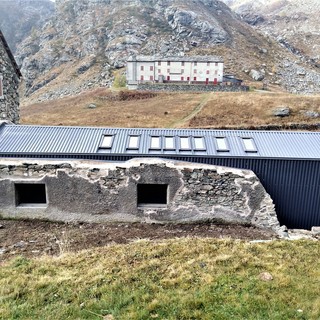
(281, 111)
(256, 75)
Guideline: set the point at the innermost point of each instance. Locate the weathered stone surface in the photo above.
(256, 75)
(189, 87)
(99, 191)
(9, 101)
(282, 111)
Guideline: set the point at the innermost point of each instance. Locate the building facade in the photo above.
(9, 84)
(286, 163)
(188, 70)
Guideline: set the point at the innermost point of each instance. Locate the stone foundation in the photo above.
(173, 87)
(169, 191)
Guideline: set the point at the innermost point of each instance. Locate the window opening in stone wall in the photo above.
(249, 145)
(30, 194)
(1, 87)
(222, 144)
(153, 195)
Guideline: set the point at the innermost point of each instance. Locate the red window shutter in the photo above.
(1, 87)
(168, 78)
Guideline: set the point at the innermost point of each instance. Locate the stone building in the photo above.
(180, 69)
(9, 83)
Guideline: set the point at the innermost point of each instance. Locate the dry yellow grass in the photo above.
(159, 111)
(212, 110)
(254, 109)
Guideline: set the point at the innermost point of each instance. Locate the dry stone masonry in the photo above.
(9, 101)
(148, 190)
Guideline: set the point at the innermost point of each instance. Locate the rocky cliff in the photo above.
(85, 42)
(18, 18)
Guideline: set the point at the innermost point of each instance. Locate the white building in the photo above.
(193, 70)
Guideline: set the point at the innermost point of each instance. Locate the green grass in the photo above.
(175, 279)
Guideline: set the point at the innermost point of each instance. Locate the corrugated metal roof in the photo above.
(51, 140)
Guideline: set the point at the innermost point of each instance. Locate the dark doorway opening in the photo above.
(30, 194)
(152, 194)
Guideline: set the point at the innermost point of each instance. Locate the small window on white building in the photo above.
(155, 143)
(199, 143)
(208, 64)
(195, 64)
(222, 144)
(249, 145)
(142, 68)
(133, 142)
(169, 143)
(107, 142)
(1, 87)
(185, 143)
(151, 68)
(159, 63)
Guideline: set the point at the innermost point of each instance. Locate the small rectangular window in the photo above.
(168, 70)
(133, 142)
(153, 195)
(151, 78)
(142, 78)
(182, 71)
(155, 143)
(185, 143)
(249, 145)
(199, 143)
(142, 68)
(216, 72)
(208, 72)
(169, 143)
(182, 63)
(182, 78)
(208, 64)
(195, 79)
(168, 63)
(222, 144)
(30, 194)
(1, 87)
(195, 71)
(151, 68)
(159, 63)
(168, 78)
(195, 64)
(216, 64)
(107, 142)
(159, 70)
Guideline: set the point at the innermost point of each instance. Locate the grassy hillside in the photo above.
(134, 109)
(173, 279)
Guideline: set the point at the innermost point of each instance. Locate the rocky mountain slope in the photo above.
(18, 18)
(293, 23)
(86, 42)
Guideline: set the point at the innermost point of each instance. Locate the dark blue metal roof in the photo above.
(51, 140)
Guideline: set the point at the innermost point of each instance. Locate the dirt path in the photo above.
(181, 123)
(36, 238)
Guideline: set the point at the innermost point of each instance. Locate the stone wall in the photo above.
(101, 191)
(9, 104)
(173, 87)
